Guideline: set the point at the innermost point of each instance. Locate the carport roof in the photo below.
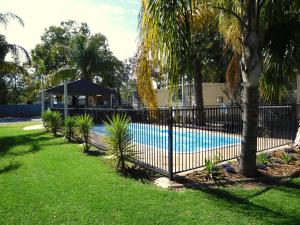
(81, 87)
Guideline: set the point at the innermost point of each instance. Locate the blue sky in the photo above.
(116, 19)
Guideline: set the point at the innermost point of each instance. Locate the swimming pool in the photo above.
(184, 141)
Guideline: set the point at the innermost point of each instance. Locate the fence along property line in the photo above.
(170, 141)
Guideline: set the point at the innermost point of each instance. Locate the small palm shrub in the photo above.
(119, 140)
(84, 124)
(45, 118)
(69, 127)
(287, 158)
(210, 167)
(55, 122)
(262, 159)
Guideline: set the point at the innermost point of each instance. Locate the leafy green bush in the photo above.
(262, 159)
(54, 121)
(286, 158)
(69, 127)
(84, 124)
(119, 140)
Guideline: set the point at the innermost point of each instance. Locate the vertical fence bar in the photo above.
(170, 144)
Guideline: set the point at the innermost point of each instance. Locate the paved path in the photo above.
(11, 120)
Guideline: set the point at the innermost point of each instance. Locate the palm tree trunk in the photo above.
(198, 93)
(251, 68)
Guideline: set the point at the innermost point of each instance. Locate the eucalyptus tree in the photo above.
(53, 51)
(166, 37)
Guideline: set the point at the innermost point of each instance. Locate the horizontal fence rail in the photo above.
(171, 141)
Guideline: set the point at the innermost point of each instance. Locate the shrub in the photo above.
(55, 122)
(45, 118)
(210, 167)
(84, 124)
(286, 158)
(262, 159)
(69, 127)
(119, 140)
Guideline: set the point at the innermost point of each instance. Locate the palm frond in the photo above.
(233, 72)
(164, 35)
(64, 73)
(9, 68)
(17, 51)
(5, 18)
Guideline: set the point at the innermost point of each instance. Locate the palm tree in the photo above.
(257, 45)
(165, 47)
(8, 68)
(165, 34)
(90, 60)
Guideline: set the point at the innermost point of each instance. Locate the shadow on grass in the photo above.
(95, 153)
(139, 174)
(12, 166)
(245, 204)
(33, 140)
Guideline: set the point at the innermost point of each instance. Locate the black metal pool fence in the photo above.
(170, 141)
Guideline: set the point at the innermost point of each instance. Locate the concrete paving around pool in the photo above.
(11, 120)
(158, 158)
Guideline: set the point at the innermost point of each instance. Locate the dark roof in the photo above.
(81, 87)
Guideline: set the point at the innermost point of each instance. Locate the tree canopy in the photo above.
(71, 52)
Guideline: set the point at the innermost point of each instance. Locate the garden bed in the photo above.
(273, 167)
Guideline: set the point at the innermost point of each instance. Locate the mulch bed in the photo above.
(280, 166)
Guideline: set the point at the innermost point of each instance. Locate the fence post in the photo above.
(295, 122)
(170, 144)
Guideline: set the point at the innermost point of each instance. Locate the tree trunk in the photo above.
(251, 69)
(198, 93)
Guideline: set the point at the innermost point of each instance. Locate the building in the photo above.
(213, 94)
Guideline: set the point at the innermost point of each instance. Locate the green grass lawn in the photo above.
(45, 180)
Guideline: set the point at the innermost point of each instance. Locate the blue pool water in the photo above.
(183, 141)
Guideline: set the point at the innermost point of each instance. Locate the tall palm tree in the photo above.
(172, 49)
(5, 47)
(90, 60)
(10, 68)
(165, 34)
(265, 34)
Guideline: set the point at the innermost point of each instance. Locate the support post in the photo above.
(51, 100)
(170, 144)
(43, 95)
(182, 92)
(111, 101)
(66, 99)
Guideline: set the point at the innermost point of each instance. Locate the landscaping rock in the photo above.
(229, 169)
(289, 150)
(165, 183)
(277, 161)
(261, 167)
